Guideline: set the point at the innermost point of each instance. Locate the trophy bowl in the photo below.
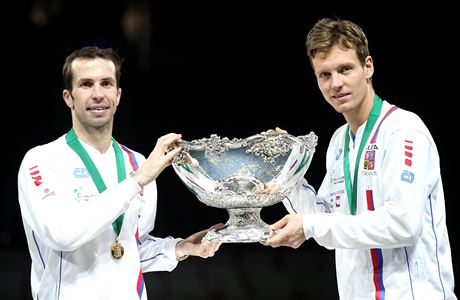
(234, 174)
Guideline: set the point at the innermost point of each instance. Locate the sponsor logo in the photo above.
(80, 173)
(78, 193)
(35, 175)
(337, 180)
(338, 153)
(47, 193)
(80, 196)
(372, 147)
(87, 197)
(369, 173)
(407, 176)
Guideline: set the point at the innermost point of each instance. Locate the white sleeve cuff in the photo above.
(309, 221)
(170, 249)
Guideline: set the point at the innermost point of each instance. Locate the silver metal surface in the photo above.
(232, 174)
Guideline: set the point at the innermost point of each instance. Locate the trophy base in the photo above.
(243, 226)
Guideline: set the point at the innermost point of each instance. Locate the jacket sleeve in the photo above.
(48, 205)
(157, 254)
(303, 200)
(404, 191)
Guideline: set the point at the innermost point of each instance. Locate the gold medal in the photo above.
(117, 250)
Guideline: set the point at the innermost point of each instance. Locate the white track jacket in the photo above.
(68, 225)
(396, 246)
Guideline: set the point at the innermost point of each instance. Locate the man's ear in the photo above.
(67, 95)
(369, 67)
(118, 96)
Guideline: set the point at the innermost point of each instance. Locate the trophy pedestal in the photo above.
(243, 226)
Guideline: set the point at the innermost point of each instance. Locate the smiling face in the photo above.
(94, 96)
(345, 82)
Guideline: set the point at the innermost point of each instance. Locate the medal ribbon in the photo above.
(75, 144)
(352, 189)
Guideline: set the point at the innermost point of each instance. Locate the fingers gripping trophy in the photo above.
(236, 174)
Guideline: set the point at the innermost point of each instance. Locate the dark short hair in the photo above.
(329, 32)
(90, 52)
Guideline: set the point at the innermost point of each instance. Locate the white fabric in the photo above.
(408, 224)
(68, 226)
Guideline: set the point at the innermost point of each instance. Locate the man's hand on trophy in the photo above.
(286, 232)
(270, 189)
(193, 246)
(279, 130)
(158, 159)
(183, 157)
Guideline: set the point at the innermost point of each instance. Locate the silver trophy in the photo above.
(234, 174)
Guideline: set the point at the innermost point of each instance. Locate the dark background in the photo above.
(232, 69)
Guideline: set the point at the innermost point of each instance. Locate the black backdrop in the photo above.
(233, 69)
